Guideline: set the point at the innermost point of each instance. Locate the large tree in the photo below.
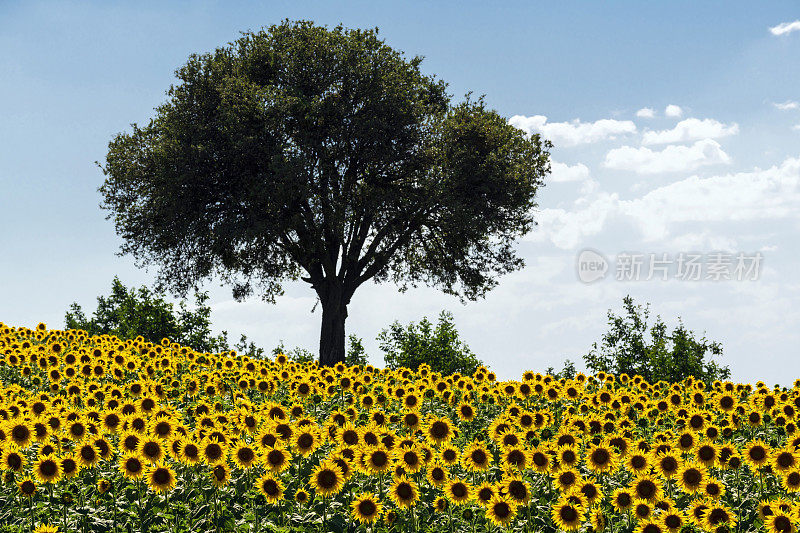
(302, 152)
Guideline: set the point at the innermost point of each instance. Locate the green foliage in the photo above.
(568, 371)
(356, 353)
(302, 152)
(631, 346)
(439, 346)
(128, 313)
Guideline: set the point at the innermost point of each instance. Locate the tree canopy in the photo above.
(303, 152)
(632, 346)
(439, 346)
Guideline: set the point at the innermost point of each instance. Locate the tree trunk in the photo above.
(331, 338)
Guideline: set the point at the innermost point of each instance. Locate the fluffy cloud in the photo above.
(561, 172)
(785, 27)
(760, 194)
(673, 158)
(673, 111)
(691, 129)
(575, 132)
(787, 105)
(646, 112)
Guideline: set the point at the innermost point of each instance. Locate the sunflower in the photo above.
(756, 453)
(327, 479)
(441, 504)
(691, 477)
(477, 457)
(707, 454)
(151, 449)
(566, 515)
(780, 522)
(26, 487)
(601, 458)
(47, 469)
(449, 455)
(458, 491)
(131, 466)
(21, 433)
(366, 508)
(784, 459)
(409, 458)
(642, 509)
(301, 496)
(500, 511)
(719, 515)
(646, 488)
(220, 474)
(438, 430)
(517, 489)
(567, 479)
(213, 452)
(70, 467)
(714, 489)
(567, 455)
(404, 492)
(87, 454)
(103, 485)
(276, 460)
(13, 459)
(272, 489)
(590, 490)
(188, 451)
(244, 456)
(45, 528)
(375, 459)
(667, 463)
(485, 493)
(638, 462)
(306, 440)
(673, 520)
(160, 478)
(540, 460)
(437, 474)
(791, 481)
(649, 526)
(466, 412)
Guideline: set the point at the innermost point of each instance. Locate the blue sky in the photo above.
(720, 173)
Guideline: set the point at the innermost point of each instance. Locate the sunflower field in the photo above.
(101, 434)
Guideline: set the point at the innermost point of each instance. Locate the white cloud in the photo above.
(760, 194)
(575, 132)
(691, 129)
(796, 127)
(561, 172)
(785, 27)
(646, 112)
(673, 158)
(787, 105)
(673, 111)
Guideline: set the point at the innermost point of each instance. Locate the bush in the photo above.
(129, 313)
(633, 347)
(439, 347)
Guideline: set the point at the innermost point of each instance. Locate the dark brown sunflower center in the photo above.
(439, 430)
(459, 490)
(367, 508)
(645, 489)
(305, 441)
(213, 451)
(600, 456)
(692, 477)
(518, 490)
(327, 479)
(758, 453)
(151, 449)
(379, 458)
(161, 476)
(568, 514)
(48, 468)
